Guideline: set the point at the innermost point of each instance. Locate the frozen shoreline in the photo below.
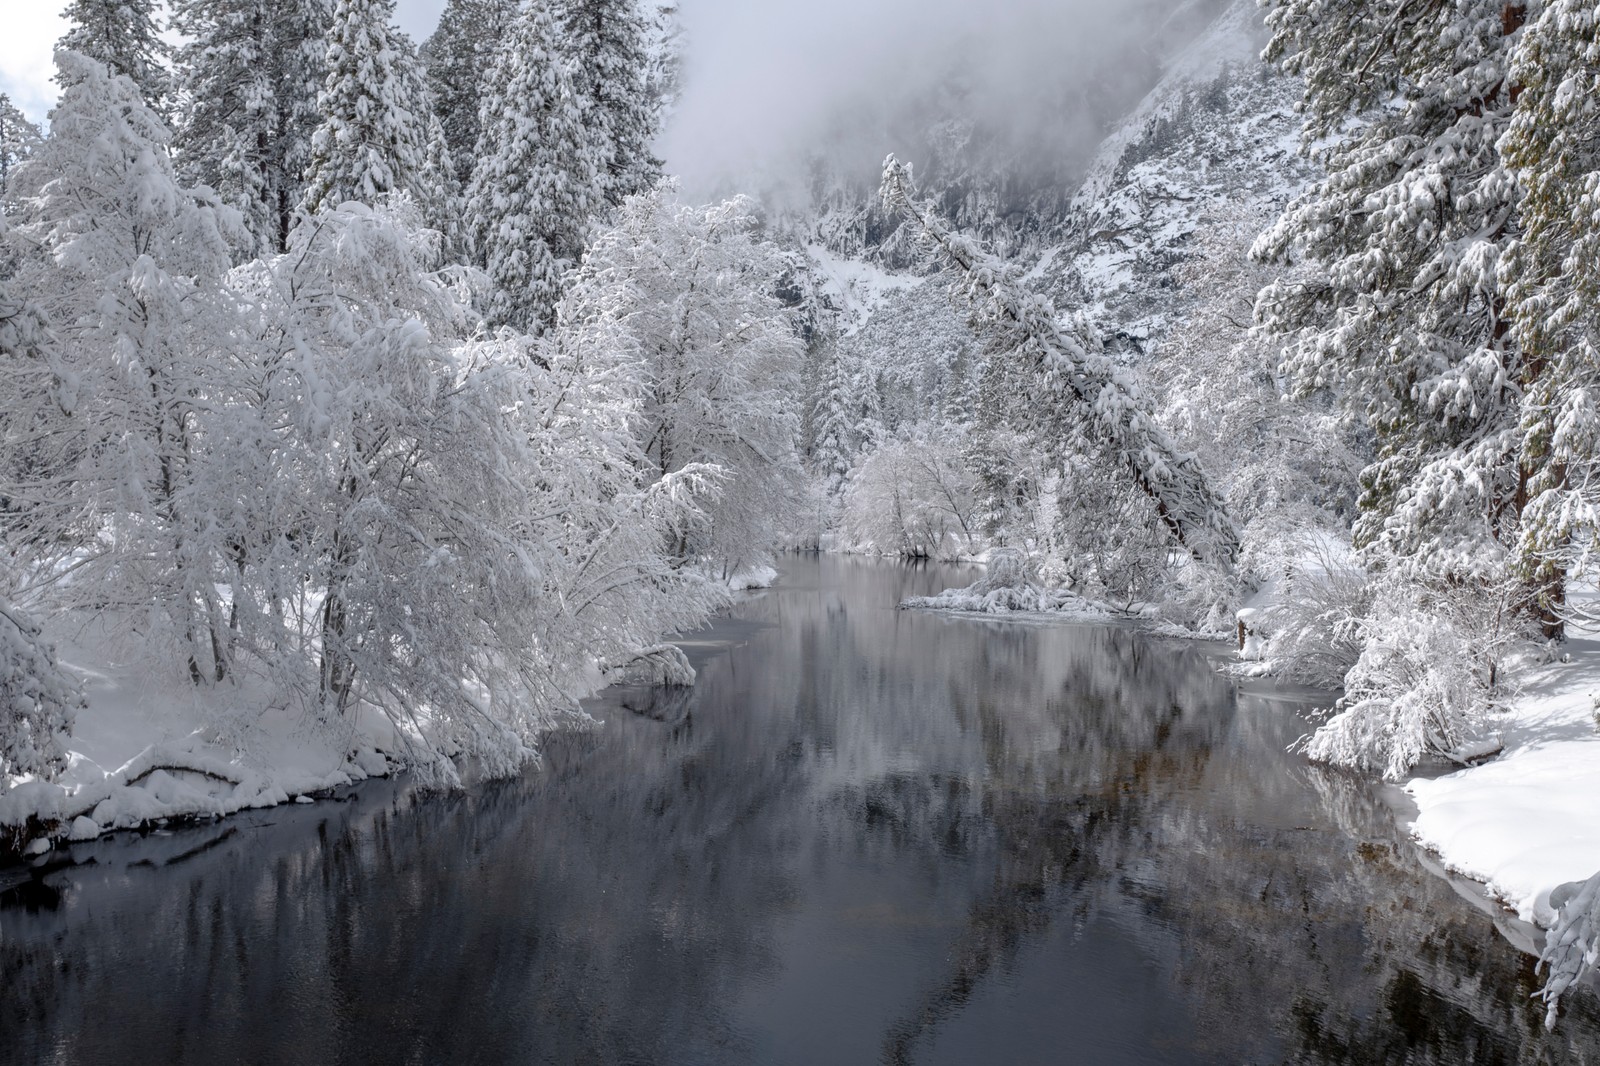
(1523, 824)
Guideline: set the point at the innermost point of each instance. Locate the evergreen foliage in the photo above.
(372, 138)
(19, 139)
(607, 41)
(250, 71)
(1553, 148)
(458, 57)
(537, 177)
(1407, 313)
(125, 36)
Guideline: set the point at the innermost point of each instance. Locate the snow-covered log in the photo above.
(1074, 373)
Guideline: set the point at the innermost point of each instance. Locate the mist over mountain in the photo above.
(1005, 102)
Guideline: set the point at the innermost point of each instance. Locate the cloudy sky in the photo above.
(764, 77)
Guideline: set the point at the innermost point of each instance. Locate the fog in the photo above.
(765, 86)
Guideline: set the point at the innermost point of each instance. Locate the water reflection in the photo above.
(867, 835)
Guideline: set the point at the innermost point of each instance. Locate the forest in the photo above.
(368, 404)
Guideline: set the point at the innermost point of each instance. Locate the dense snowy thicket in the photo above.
(681, 304)
(259, 420)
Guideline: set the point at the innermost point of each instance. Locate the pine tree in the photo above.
(537, 178)
(19, 139)
(373, 134)
(835, 430)
(124, 35)
(433, 185)
(607, 39)
(1406, 314)
(459, 57)
(249, 71)
(1553, 147)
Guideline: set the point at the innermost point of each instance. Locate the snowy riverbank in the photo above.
(1524, 823)
(149, 747)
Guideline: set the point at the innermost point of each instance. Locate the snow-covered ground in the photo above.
(1525, 822)
(856, 287)
(150, 746)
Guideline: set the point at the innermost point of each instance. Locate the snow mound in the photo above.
(1011, 585)
(755, 577)
(662, 664)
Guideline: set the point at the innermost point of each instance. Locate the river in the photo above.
(866, 836)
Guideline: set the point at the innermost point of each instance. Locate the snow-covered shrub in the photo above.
(1313, 631)
(1572, 947)
(913, 496)
(679, 304)
(1425, 684)
(1010, 584)
(38, 699)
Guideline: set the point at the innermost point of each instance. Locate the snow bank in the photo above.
(1009, 586)
(755, 577)
(148, 746)
(1524, 824)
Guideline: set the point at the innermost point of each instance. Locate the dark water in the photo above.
(868, 836)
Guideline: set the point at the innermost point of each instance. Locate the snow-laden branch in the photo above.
(1572, 949)
(1071, 368)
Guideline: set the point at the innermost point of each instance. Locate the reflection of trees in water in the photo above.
(615, 906)
(1283, 902)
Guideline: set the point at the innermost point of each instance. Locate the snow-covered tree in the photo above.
(1553, 147)
(109, 435)
(19, 139)
(125, 36)
(843, 419)
(459, 57)
(38, 699)
(537, 179)
(373, 135)
(1405, 312)
(1283, 462)
(913, 497)
(454, 532)
(607, 39)
(685, 297)
(250, 72)
(1069, 390)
